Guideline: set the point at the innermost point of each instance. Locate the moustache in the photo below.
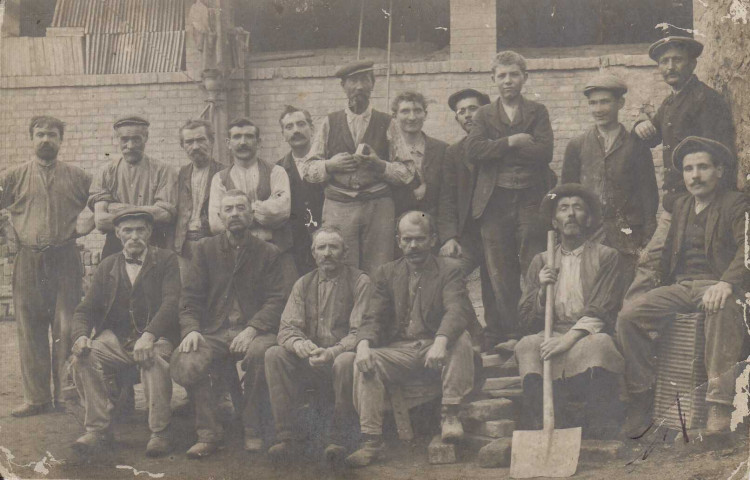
(243, 149)
(572, 222)
(697, 183)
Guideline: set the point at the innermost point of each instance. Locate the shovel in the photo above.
(547, 452)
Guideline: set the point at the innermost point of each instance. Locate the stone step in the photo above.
(501, 383)
(473, 442)
(505, 393)
(495, 454)
(489, 409)
(492, 428)
(601, 451)
(439, 453)
(491, 360)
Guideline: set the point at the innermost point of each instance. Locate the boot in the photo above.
(203, 449)
(719, 417)
(602, 405)
(284, 451)
(28, 410)
(158, 445)
(531, 403)
(93, 442)
(370, 450)
(638, 415)
(334, 453)
(452, 429)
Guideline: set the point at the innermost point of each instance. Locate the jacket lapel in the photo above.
(496, 116)
(114, 273)
(429, 283)
(401, 291)
(711, 220)
(680, 233)
(149, 263)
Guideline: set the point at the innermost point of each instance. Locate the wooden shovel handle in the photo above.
(548, 406)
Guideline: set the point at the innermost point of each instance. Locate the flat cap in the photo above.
(132, 213)
(719, 152)
(694, 47)
(484, 99)
(354, 68)
(549, 202)
(130, 120)
(605, 81)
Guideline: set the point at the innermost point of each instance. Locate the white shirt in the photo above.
(198, 184)
(133, 269)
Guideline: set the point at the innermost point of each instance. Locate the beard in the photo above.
(46, 152)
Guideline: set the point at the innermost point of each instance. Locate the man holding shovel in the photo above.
(587, 290)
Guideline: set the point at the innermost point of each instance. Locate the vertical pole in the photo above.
(388, 57)
(361, 23)
(547, 400)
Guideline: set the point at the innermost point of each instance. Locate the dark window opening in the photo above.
(278, 25)
(36, 16)
(567, 23)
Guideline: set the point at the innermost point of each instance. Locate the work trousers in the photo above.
(46, 291)
(512, 232)
(403, 361)
(288, 377)
(369, 229)
(107, 357)
(653, 311)
(647, 266)
(471, 258)
(214, 358)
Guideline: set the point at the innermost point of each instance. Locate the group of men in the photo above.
(291, 269)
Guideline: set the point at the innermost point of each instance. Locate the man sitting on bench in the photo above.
(701, 268)
(587, 278)
(417, 320)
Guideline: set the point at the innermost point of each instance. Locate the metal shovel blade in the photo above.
(545, 453)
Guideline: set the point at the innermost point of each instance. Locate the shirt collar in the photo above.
(685, 87)
(576, 253)
(364, 115)
(141, 257)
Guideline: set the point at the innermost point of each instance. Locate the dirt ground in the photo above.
(39, 447)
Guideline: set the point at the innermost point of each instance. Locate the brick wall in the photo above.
(89, 104)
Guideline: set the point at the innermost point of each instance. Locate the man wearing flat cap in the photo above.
(133, 180)
(618, 168)
(691, 108)
(457, 230)
(701, 269)
(587, 290)
(352, 155)
(131, 308)
(44, 198)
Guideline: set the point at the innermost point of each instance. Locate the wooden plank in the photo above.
(490, 360)
(501, 383)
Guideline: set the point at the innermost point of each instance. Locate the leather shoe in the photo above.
(157, 446)
(253, 444)
(369, 451)
(283, 451)
(638, 417)
(202, 450)
(719, 418)
(334, 453)
(28, 410)
(452, 429)
(92, 442)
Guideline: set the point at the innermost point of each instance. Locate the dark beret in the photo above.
(484, 99)
(354, 68)
(657, 48)
(605, 81)
(130, 120)
(132, 213)
(719, 152)
(549, 202)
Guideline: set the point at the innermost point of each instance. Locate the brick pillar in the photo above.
(473, 29)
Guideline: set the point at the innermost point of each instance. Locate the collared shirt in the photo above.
(44, 202)
(269, 213)
(569, 301)
(198, 186)
(416, 153)
(412, 327)
(328, 310)
(133, 269)
(145, 183)
(398, 171)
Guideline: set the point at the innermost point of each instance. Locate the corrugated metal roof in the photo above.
(120, 16)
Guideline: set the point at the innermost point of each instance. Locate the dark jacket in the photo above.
(696, 110)
(629, 189)
(432, 167)
(185, 202)
(725, 238)
(445, 301)
(457, 187)
(601, 285)
(159, 279)
(213, 274)
(487, 146)
(306, 213)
